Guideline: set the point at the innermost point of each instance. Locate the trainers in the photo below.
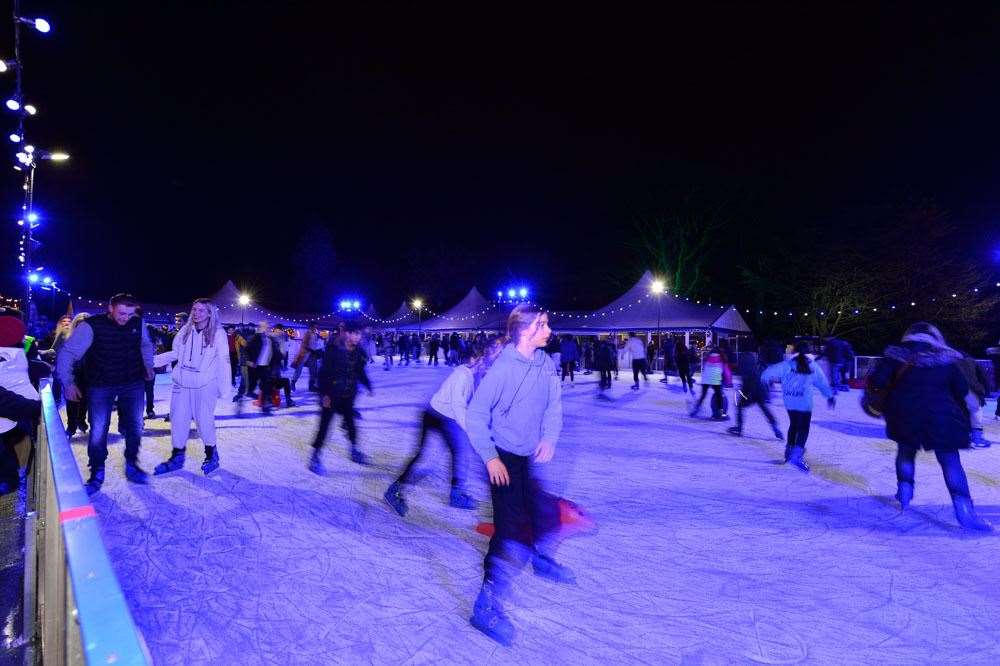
(211, 460)
(95, 481)
(360, 458)
(546, 567)
(394, 497)
(172, 464)
(134, 473)
(461, 500)
(315, 464)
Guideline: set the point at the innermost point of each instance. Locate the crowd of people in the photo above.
(500, 404)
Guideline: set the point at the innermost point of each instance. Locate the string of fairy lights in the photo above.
(416, 309)
(28, 157)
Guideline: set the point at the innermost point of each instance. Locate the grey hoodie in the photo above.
(518, 403)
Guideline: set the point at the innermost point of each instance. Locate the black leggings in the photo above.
(798, 427)
(951, 467)
(454, 437)
(568, 367)
(344, 407)
(716, 401)
(742, 403)
(638, 365)
(526, 520)
(687, 381)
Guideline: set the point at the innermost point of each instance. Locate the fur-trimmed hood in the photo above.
(922, 354)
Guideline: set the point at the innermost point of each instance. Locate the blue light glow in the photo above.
(33, 278)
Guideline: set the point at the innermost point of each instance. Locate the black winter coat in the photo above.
(342, 370)
(926, 408)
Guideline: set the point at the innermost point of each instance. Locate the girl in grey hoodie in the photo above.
(513, 422)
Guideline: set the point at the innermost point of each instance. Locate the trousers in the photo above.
(187, 404)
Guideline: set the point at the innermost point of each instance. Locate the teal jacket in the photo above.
(797, 388)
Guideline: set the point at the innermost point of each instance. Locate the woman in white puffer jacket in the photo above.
(200, 378)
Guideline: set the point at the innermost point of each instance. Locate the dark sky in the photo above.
(495, 143)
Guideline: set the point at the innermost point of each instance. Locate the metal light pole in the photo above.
(418, 305)
(658, 287)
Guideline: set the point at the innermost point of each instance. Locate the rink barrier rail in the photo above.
(865, 364)
(80, 613)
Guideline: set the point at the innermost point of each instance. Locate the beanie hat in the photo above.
(12, 331)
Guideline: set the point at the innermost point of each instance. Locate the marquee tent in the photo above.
(639, 310)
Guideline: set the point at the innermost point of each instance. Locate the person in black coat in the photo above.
(923, 404)
(344, 367)
(752, 392)
(604, 359)
(683, 360)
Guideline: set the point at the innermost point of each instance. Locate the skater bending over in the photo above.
(798, 375)
(924, 395)
(201, 377)
(514, 421)
(446, 415)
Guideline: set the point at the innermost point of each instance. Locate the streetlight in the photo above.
(657, 289)
(244, 301)
(29, 158)
(418, 306)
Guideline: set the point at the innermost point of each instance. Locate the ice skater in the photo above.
(117, 358)
(683, 360)
(752, 392)
(636, 349)
(924, 393)
(342, 370)
(714, 374)
(446, 414)
(514, 421)
(201, 377)
(798, 376)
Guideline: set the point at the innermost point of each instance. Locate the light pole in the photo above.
(657, 288)
(418, 306)
(244, 302)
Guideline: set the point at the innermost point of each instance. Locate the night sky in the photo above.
(312, 150)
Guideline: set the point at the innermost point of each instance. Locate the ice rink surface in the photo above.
(707, 552)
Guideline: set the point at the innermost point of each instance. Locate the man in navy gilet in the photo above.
(117, 359)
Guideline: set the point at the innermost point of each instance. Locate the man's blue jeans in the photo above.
(100, 400)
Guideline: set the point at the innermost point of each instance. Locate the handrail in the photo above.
(83, 615)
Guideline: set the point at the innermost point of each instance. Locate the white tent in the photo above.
(638, 309)
(472, 313)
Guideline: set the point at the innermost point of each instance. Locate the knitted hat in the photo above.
(12, 331)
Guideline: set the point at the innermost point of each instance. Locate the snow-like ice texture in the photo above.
(708, 552)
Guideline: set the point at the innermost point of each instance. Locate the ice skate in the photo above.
(904, 493)
(780, 436)
(489, 618)
(394, 497)
(135, 474)
(95, 481)
(966, 515)
(735, 430)
(360, 458)
(211, 460)
(171, 464)
(795, 458)
(545, 567)
(315, 464)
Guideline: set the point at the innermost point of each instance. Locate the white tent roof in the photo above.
(472, 313)
(639, 310)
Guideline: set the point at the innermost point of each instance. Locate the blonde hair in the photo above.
(523, 317)
(211, 326)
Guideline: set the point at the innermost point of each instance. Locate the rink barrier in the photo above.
(865, 364)
(80, 613)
